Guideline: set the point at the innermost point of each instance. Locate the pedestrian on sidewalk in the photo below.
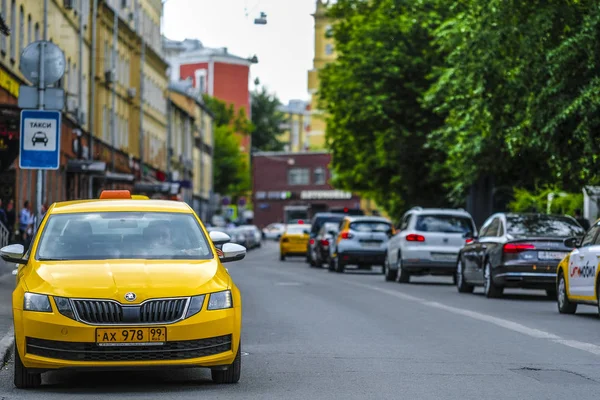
(3, 218)
(11, 218)
(26, 224)
(582, 221)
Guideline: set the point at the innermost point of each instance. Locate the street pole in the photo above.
(92, 95)
(41, 90)
(202, 131)
(142, 87)
(114, 85)
(80, 87)
(168, 136)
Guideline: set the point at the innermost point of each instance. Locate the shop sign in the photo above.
(8, 83)
(325, 195)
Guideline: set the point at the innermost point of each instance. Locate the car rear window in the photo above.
(297, 230)
(319, 221)
(123, 235)
(444, 224)
(370, 226)
(542, 226)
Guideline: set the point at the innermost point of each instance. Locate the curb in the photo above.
(7, 345)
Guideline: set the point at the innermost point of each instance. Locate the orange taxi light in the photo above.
(115, 194)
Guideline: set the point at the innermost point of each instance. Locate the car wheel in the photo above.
(403, 275)
(562, 299)
(23, 378)
(282, 257)
(232, 373)
(331, 265)
(461, 285)
(318, 262)
(390, 274)
(339, 265)
(489, 287)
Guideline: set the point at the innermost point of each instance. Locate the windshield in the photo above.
(322, 220)
(543, 226)
(370, 226)
(297, 230)
(123, 235)
(444, 224)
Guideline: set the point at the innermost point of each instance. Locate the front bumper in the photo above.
(48, 341)
(372, 257)
(526, 276)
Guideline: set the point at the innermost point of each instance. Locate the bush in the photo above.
(537, 201)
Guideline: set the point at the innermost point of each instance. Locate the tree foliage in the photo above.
(230, 165)
(426, 97)
(267, 120)
(538, 200)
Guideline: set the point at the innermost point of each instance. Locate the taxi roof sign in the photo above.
(115, 194)
(139, 197)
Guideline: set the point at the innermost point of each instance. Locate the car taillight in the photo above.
(517, 247)
(469, 241)
(312, 241)
(346, 235)
(415, 238)
(325, 242)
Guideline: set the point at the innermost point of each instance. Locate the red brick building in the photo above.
(286, 179)
(212, 71)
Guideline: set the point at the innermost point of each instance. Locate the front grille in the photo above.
(77, 351)
(162, 311)
(99, 311)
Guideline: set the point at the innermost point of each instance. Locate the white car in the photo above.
(427, 242)
(273, 231)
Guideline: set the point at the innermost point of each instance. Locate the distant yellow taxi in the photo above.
(119, 283)
(294, 241)
(577, 275)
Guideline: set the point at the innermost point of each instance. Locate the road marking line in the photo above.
(504, 323)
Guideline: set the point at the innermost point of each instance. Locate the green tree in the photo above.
(231, 169)
(377, 127)
(267, 120)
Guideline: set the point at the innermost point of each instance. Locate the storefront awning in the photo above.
(171, 188)
(86, 167)
(119, 177)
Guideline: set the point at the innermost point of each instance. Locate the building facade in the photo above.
(286, 179)
(297, 126)
(324, 54)
(215, 72)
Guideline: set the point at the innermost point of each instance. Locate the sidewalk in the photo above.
(7, 285)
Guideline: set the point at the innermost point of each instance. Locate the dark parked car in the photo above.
(323, 242)
(317, 222)
(515, 250)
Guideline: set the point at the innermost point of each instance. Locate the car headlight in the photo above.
(36, 302)
(220, 300)
(195, 305)
(64, 307)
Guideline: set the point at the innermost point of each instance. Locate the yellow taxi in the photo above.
(139, 197)
(577, 275)
(117, 283)
(294, 241)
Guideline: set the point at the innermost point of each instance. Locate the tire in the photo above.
(562, 299)
(282, 257)
(318, 262)
(23, 378)
(331, 266)
(461, 285)
(232, 373)
(403, 275)
(339, 266)
(490, 289)
(390, 274)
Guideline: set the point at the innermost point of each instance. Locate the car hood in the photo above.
(113, 279)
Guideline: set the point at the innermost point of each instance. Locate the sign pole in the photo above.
(41, 88)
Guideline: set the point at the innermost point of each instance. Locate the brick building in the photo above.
(285, 179)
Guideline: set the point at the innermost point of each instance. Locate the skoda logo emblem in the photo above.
(130, 296)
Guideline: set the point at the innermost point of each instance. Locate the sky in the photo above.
(284, 47)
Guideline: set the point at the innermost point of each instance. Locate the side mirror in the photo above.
(571, 242)
(219, 238)
(232, 252)
(13, 254)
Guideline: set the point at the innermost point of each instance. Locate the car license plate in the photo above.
(131, 336)
(371, 244)
(551, 255)
(443, 257)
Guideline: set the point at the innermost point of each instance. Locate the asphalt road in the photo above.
(312, 334)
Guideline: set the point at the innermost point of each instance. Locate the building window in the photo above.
(320, 178)
(104, 124)
(298, 176)
(201, 80)
(29, 30)
(13, 25)
(329, 49)
(21, 30)
(329, 31)
(36, 32)
(2, 37)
